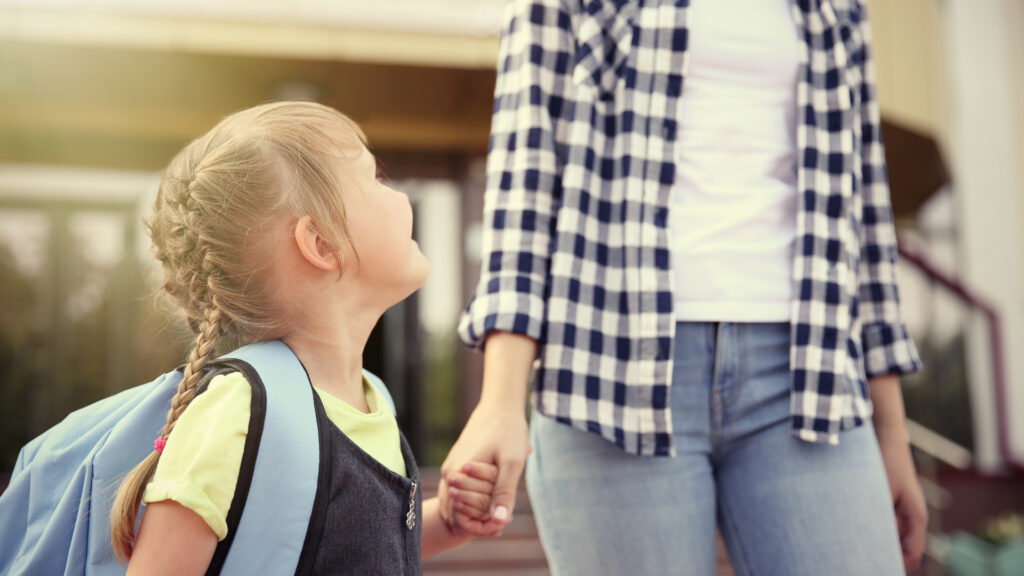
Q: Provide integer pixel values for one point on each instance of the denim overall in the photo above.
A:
(372, 522)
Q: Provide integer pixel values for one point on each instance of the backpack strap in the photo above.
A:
(283, 468)
(381, 389)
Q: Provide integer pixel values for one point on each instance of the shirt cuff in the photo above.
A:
(505, 311)
(190, 497)
(888, 349)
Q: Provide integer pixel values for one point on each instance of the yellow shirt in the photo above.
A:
(199, 465)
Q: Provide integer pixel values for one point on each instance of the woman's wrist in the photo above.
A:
(889, 417)
(508, 361)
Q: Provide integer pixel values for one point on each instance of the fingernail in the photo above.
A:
(501, 513)
(453, 491)
(467, 467)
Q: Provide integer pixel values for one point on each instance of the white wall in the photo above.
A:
(986, 153)
(438, 232)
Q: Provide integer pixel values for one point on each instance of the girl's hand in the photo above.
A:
(470, 492)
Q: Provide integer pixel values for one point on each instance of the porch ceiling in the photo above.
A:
(125, 83)
(120, 108)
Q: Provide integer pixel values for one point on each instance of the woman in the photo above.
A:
(687, 222)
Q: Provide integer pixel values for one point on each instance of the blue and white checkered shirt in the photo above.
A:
(576, 244)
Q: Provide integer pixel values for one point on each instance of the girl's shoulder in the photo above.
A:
(221, 409)
(225, 398)
(199, 464)
(225, 385)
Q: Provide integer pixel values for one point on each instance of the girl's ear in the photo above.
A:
(313, 247)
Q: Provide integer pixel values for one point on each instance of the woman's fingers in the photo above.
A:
(913, 532)
(503, 498)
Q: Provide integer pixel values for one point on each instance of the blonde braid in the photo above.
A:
(124, 513)
(206, 341)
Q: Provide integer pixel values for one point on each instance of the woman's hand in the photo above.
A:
(493, 435)
(908, 499)
(496, 432)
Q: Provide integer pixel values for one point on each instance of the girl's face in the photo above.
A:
(390, 263)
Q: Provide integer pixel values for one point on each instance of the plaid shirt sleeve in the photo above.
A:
(888, 348)
(523, 172)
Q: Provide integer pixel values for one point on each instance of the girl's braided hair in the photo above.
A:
(218, 200)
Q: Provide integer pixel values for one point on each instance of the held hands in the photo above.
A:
(480, 476)
(466, 504)
(469, 491)
(489, 436)
(496, 434)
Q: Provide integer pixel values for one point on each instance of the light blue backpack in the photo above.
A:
(54, 514)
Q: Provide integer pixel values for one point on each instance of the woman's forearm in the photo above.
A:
(508, 359)
(887, 399)
(497, 432)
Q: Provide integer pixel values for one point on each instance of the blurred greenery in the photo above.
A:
(1006, 527)
(17, 351)
(440, 406)
(50, 366)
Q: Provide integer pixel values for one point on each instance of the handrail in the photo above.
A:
(939, 447)
(975, 301)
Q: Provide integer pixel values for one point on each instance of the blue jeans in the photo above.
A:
(784, 506)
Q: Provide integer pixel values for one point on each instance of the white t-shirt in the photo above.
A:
(733, 213)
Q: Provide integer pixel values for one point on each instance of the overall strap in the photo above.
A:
(274, 517)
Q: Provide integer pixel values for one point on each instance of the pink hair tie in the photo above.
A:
(159, 444)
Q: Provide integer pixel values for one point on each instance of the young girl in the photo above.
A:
(274, 225)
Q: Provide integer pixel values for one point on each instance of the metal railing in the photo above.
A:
(977, 303)
(934, 450)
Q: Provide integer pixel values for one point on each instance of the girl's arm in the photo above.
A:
(437, 537)
(173, 540)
